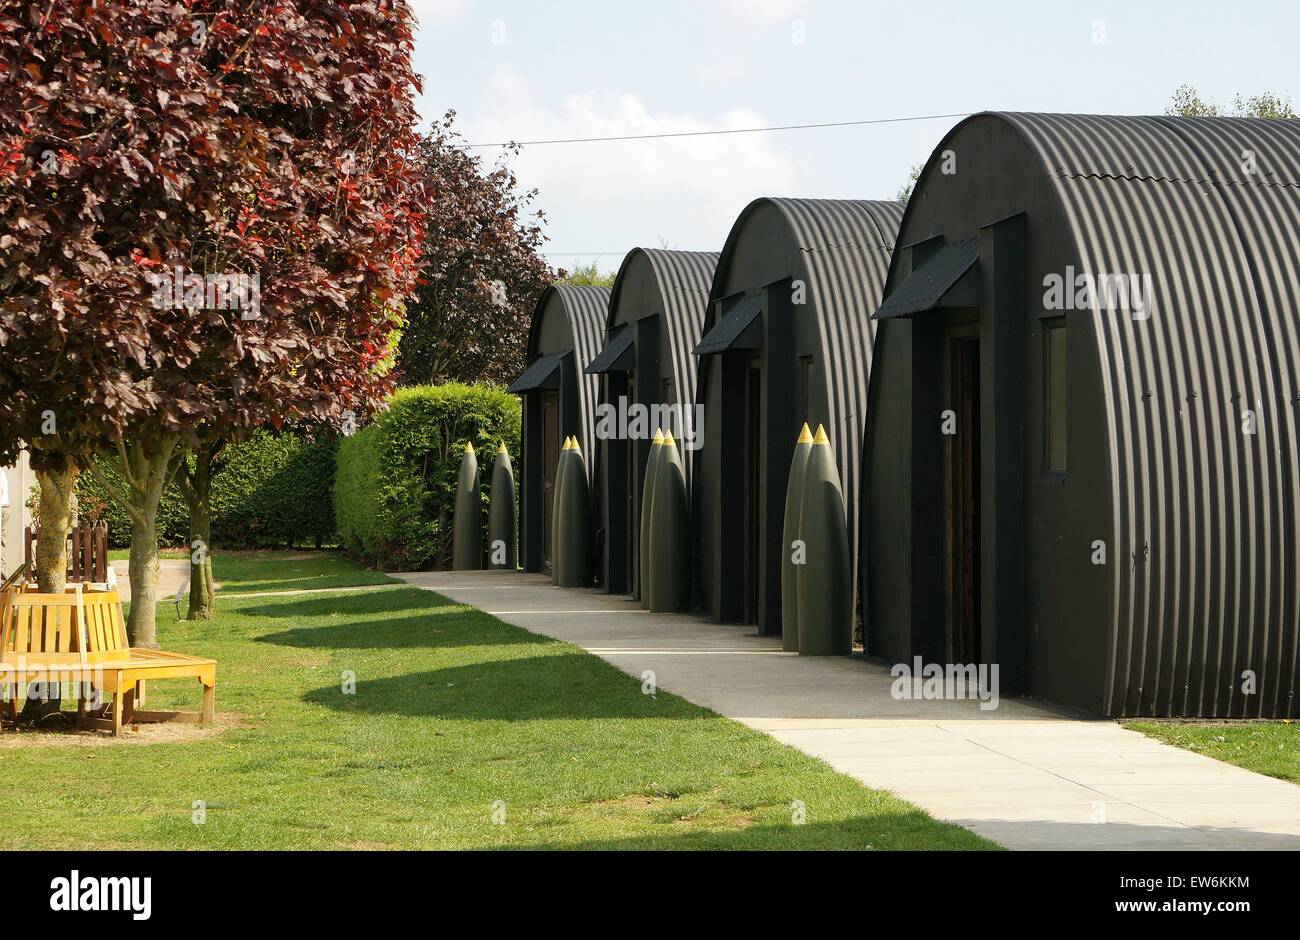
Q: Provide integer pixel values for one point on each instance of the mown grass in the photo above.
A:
(1271, 748)
(263, 571)
(463, 732)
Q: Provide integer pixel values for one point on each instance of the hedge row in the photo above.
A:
(395, 488)
(276, 489)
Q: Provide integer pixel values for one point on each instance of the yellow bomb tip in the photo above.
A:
(568, 443)
(659, 436)
(502, 448)
(805, 436)
(469, 447)
(821, 437)
(668, 439)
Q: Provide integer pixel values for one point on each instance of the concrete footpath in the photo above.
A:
(1021, 775)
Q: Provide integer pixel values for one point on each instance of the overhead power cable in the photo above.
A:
(735, 130)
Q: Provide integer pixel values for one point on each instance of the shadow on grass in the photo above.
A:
(364, 603)
(309, 583)
(887, 831)
(439, 628)
(563, 686)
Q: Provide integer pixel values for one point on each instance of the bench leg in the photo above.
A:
(139, 692)
(117, 713)
(209, 703)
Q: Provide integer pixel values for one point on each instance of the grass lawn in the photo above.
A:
(453, 711)
(246, 572)
(1271, 748)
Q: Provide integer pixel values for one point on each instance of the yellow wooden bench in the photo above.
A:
(80, 637)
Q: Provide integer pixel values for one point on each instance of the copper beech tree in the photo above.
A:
(209, 217)
(481, 271)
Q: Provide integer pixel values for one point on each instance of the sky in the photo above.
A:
(544, 70)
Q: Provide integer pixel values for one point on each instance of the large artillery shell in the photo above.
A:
(574, 523)
(824, 582)
(501, 514)
(789, 536)
(669, 538)
(647, 506)
(467, 523)
(555, 509)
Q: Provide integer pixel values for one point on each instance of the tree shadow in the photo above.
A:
(895, 830)
(363, 603)
(886, 831)
(535, 688)
(444, 628)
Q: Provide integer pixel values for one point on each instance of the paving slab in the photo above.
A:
(1022, 774)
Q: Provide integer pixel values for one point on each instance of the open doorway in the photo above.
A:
(550, 462)
(962, 497)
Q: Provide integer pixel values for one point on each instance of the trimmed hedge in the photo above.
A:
(395, 489)
(273, 490)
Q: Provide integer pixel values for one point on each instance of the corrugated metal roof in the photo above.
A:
(1206, 516)
(684, 279)
(846, 245)
(586, 309)
(924, 288)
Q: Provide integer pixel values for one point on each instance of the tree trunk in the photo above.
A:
(144, 578)
(201, 599)
(196, 487)
(57, 487)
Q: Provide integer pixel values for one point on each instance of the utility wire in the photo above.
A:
(738, 130)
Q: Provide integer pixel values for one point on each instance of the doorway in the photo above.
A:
(753, 509)
(962, 498)
(550, 462)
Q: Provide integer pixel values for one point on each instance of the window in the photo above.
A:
(1057, 393)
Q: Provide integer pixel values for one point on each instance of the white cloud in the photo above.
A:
(616, 195)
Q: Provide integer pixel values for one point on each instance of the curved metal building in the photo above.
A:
(559, 401)
(1081, 450)
(655, 312)
(787, 339)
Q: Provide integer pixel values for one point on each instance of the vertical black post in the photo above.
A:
(614, 455)
(532, 480)
(1003, 366)
(779, 429)
(728, 559)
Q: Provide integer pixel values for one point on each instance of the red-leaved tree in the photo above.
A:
(210, 217)
(481, 270)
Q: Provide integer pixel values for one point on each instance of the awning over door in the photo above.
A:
(738, 329)
(617, 355)
(542, 372)
(928, 286)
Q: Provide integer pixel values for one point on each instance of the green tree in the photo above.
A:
(1187, 102)
(905, 191)
(587, 275)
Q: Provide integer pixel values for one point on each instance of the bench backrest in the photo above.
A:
(58, 629)
(41, 627)
(105, 626)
